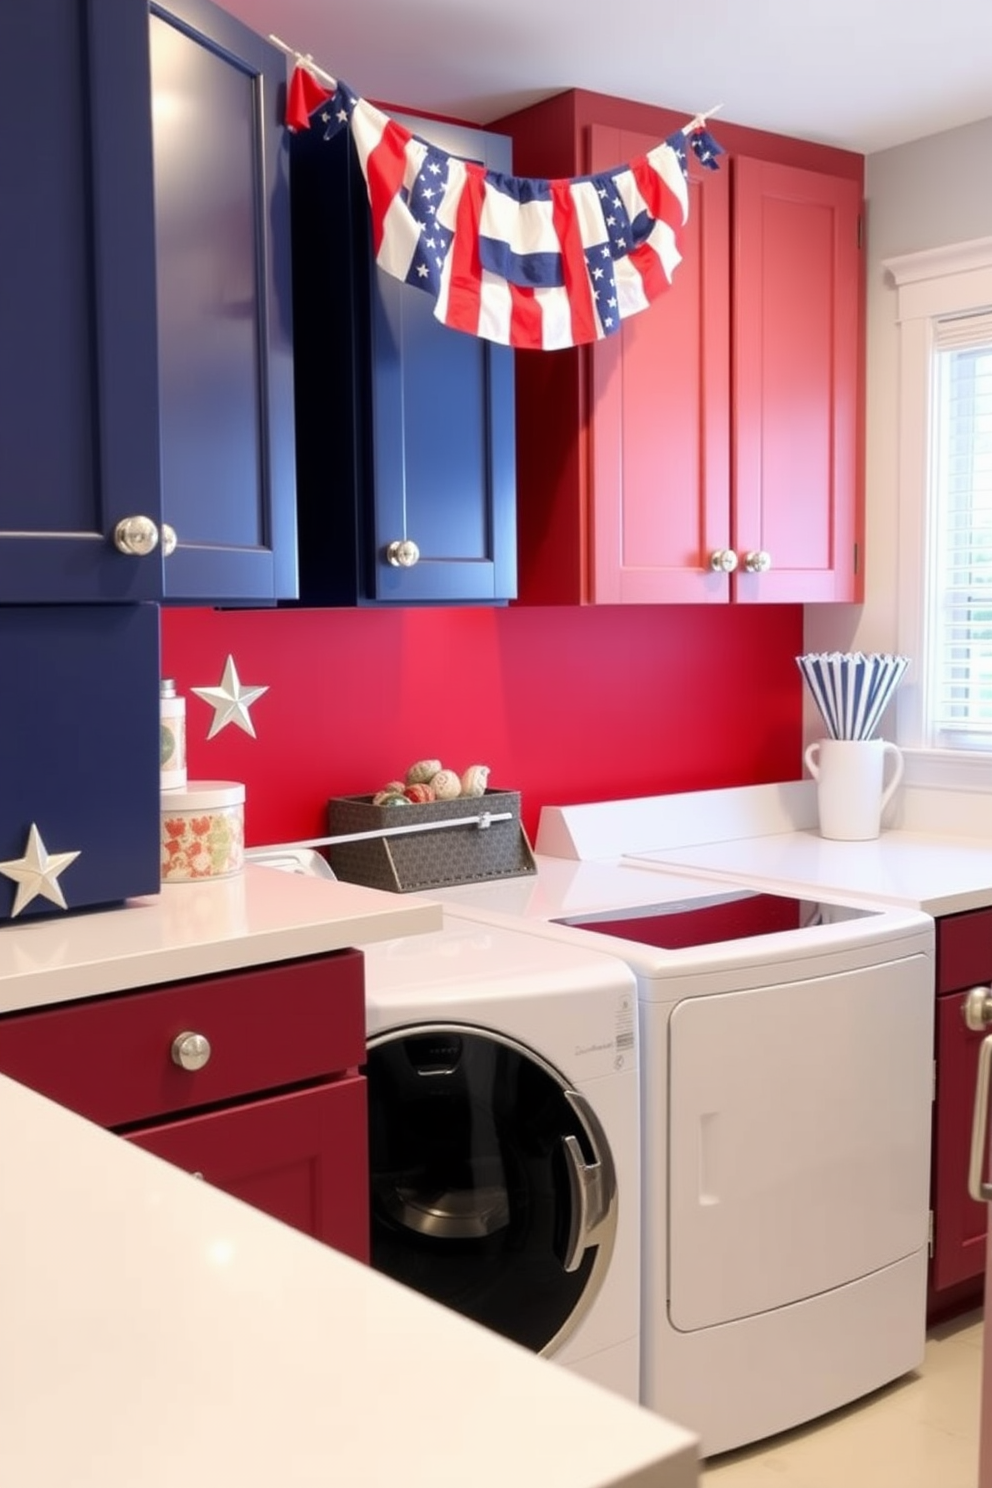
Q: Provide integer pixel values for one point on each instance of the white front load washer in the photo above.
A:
(785, 1065)
(503, 1129)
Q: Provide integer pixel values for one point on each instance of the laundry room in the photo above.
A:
(448, 935)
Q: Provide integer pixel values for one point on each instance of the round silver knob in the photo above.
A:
(403, 554)
(977, 1009)
(190, 1050)
(724, 560)
(169, 539)
(137, 536)
(758, 561)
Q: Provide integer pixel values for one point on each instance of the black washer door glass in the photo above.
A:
(469, 1187)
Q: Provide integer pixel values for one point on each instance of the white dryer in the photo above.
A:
(503, 1121)
(786, 1051)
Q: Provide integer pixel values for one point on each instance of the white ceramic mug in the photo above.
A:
(849, 777)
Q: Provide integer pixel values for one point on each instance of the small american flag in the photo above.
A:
(529, 263)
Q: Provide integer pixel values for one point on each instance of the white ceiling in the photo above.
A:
(862, 74)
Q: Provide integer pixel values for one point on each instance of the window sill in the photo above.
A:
(948, 769)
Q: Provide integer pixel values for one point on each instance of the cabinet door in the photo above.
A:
(301, 1157)
(78, 441)
(404, 427)
(220, 164)
(661, 414)
(79, 749)
(959, 1223)
(152, 198)
(796, 386)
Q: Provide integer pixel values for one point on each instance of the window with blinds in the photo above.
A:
(959, 546)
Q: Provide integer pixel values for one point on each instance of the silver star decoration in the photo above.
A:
(37, 873)
(230, 701)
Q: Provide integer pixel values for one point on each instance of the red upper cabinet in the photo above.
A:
(722, 425)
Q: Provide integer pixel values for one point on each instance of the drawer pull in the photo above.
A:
(190, 1050)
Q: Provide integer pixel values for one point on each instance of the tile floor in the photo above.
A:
(920, 1432)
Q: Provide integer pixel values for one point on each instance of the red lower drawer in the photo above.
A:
(109, 1058)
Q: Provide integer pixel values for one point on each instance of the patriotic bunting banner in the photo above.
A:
(529, 263)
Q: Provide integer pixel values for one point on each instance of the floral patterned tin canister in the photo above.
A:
(203, 831)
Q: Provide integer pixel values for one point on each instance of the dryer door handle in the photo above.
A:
(592, 1209)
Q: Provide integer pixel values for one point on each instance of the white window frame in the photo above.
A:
(931, 284)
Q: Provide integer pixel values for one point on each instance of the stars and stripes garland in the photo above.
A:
(530, 263)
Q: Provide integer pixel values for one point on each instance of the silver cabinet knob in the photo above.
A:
(190, 1050)
(403, 554)
(724, 560)
(169, 539)
(137, 536)
(758, 561)
(976, 1010)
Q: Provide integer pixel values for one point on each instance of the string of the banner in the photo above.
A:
(305, 59)
(699, 121)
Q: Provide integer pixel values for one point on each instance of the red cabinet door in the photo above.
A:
(661, 414)
(796, 383)
(964, 960)
(301, 1157)
(960, 1224)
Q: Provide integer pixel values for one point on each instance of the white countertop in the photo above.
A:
(197, 929)
(156, 1332)
(562, 887)
(937, 874)
(767, 835)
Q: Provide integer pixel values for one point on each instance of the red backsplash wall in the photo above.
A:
(563, 704)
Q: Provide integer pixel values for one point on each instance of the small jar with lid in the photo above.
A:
(203, 831)
(172, 736)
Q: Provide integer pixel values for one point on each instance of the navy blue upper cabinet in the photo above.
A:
(145, 300)
(405, 428)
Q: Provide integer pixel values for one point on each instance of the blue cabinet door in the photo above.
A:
(62, 489)
(79, 751)
(145, 361)
(220, 165)
(405, 428)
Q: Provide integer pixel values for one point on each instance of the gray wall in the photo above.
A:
(934, 191)
(926, 194)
